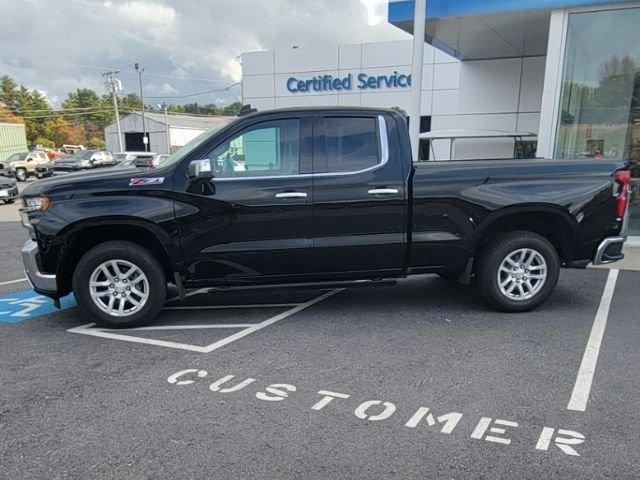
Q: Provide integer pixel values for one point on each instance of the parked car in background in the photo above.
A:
(44, 171)
(55, 154)
(8, 189)
(83, 160)
(70, 149)
(138, 159)
(23, 165)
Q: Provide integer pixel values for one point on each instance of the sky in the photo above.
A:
(187, 46)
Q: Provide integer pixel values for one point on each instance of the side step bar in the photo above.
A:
(305, 286)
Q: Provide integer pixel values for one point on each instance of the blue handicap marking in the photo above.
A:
(25, 305)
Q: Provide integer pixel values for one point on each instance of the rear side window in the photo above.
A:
(351, 143)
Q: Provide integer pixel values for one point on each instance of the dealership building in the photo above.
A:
(565, 74)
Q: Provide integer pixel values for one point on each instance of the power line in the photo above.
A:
(57, 114)
(48, 110)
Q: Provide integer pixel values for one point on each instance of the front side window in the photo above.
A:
(266, 149)
(351, 143)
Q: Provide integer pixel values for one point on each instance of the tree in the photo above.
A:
(7, 116)
(45, 142)
(232, 109)
(96, 143)
(130, 102)
(88, 112)
(8, 92)
(61, 132)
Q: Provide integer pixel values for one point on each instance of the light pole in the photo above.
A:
(114, 85)
(145, 139)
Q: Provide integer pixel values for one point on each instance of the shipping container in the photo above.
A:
(13, 139)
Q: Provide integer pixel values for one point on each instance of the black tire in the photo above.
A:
(21, 175)
(9, 201)
(494, 255)
(129, 252)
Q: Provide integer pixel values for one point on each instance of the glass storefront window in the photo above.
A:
(600, 99)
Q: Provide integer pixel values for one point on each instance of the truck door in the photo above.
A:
(359, 208)
(252, 221)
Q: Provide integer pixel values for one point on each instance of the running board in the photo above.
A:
(305, 286)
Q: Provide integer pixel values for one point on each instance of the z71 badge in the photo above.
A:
(136, 182)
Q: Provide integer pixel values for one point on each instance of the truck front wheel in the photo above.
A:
(518, 271)
(21, 175)
(120, 284)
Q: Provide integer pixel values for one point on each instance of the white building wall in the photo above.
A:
(503, 94)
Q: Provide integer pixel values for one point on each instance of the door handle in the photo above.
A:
(383, 191)
(291, 195)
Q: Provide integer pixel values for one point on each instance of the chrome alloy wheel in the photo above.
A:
(522, 274)
(119, 288)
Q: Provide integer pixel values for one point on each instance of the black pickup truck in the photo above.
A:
(317, 197)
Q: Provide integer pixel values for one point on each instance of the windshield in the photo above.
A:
(16, 157)
(193, 144)
(66, 158)
(85, 154)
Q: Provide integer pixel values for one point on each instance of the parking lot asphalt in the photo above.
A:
(325, 384)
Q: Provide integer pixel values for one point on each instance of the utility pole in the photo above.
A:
(114, 85)
(419, 14)
(145, 139)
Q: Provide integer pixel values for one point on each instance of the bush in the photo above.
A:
(45, 142)
(96, 144)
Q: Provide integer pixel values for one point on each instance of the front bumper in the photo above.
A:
(609, 250)
(44, 283)
(11, 193)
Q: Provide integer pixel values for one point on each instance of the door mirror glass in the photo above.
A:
(200, 169)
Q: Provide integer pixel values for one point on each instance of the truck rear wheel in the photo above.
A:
(518, 271)
(120, 284)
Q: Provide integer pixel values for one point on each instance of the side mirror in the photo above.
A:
(200, 169)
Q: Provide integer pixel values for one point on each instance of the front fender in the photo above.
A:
(66, 219)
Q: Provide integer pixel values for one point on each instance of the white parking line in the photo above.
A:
(271, 321)
(247, 329)
(180, 327)
(220, 307)
(582, 387)
(20, 280)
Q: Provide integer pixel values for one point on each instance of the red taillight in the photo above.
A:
(623, 179)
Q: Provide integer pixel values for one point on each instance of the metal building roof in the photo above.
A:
(186, 121)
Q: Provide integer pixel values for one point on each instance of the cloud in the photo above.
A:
(187, 46)
(160, 89)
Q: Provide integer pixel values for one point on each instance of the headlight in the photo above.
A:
(85, 163)
(36, 204)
